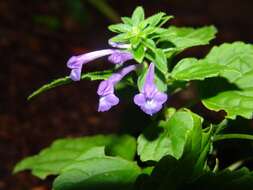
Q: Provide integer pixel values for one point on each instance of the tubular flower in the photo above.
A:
(75, 63)
(150, 99)
(106, 89)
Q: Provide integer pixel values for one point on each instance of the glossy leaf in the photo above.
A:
(238, 57)
(170, 138)
(183, 37)
(98, 173)
(118, 28)
(64, 152)
(192, 69)
(231, 61)
(139, 53)
(138, 15)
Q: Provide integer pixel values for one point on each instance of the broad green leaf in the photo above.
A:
(138, 15)
(98, 173)
(99, 75)
(180, 173)
(231, 61)
(238, 57)
(183, 37)
(170, 138)
(193, 69)
(233, 102)
(118, 28)
(64, 152)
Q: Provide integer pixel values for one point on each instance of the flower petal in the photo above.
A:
(75, 74)
(120, 57)
(139, 99)
(151, 107)
(106, 102)
(149, 87)
(160, 97)
(105, 87)
(74, 63)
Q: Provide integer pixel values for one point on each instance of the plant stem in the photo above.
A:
(106, 10)
(233, 136)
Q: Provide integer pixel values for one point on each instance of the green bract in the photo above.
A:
(173, 152)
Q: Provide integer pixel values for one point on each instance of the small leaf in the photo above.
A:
(127, 20)
(99, 75)
(138, 15)
(118, 28)
(139, 53)
(155, 19)
(122, 38)
(161, 61)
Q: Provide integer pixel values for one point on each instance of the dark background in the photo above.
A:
(36, 39)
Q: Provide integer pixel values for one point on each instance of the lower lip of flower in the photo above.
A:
(150, 104)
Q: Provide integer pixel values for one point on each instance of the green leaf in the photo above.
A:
(179, 174)
(183, 37)
(127, 20)
(64, 152)
(161, 61)
(118, 28)
(231, 61)
(98, 173)
(138, 15)
(233, 102)
(157, 20)
(193, 69)
(139, 53)
(238, 57)
(170, 138)
(99, 75)
(123, 37)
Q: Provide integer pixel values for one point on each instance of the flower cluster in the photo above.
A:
(150, 99)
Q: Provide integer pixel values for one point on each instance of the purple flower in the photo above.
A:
(119, 45)
(75, 63)
(120, 57)
(150, 99)
(106, 89)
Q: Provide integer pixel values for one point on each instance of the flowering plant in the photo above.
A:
(174, 151)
